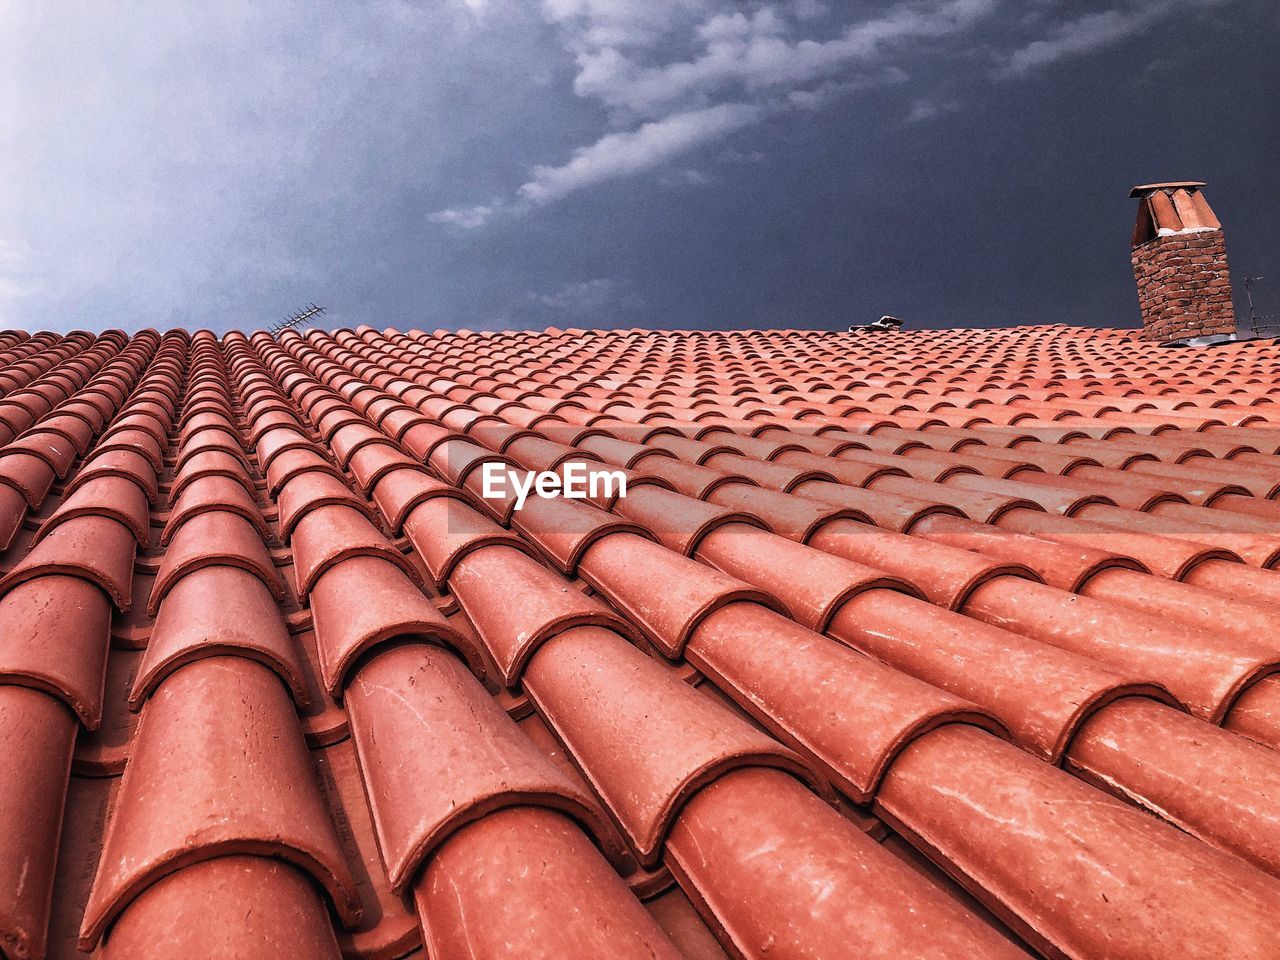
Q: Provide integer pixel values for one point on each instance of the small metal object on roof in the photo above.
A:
(1143, 189)
(885, 323)
(1208, 340)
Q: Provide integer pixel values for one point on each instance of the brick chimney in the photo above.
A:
(1180, 263)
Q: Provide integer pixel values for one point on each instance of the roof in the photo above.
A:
(950, 644)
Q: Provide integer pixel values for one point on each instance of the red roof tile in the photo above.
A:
(950, 644)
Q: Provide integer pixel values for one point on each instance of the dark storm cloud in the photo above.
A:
(494, 163)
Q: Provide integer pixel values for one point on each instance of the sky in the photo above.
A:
(494, 164)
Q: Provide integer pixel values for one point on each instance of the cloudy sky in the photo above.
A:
(688, 163)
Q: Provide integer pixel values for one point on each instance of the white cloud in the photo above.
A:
(1095, 31)
(613, 156)
(621, 154)
(756, 52)
(586, 297)
(923, 111)
(622, 23)
(14, 254)
(467, 217)
(232, 159)
(15, 268)
(827, 92)
(745, 65)
(12, 290)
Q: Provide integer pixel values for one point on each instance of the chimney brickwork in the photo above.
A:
(1180, 264)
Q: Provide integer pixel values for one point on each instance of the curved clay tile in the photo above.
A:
(1040, 692)
(1247, 623)
(1261, 483)
(349, 439)
(213, 463)
(330, 534)
(98, 549)
(267, 414)
(644, 740)
(1215, 529)
(213, 492)
(400, 419)
(783, 477)
(687, 478)
(542, 889)
(1256, 713)
(792, 517)
(196, 422)
(1068, 552)
(564, 530)
(713, 849)
(1171, 765)
(294, 462)
(56, 447)
(388, 927)
(54, 636)
(217, 611)
(810, 584)
(371, 463)
(125, 464)
(74, 423)
(310, 491)
(1205, 672)
(444, 530)
(422, 439)
(1075, 878)
(212, 441)
(399, 491)
(516, 605)
(36, 737)
(30, 475)
(276, 441)
(888, 510)
(184, 914)
(624, 568)
(216, 538)
(1064, 496)
(944, 575)
(412, 709)
(363, 602)
(691, 451)
(789, 678)
(1136, 490)
(218, 767)
(142, 442)
(679, 522)
(116, 498)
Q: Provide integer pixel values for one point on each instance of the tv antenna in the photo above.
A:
(296, 319)
(1262, 325)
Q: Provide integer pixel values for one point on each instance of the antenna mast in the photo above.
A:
(297, 319)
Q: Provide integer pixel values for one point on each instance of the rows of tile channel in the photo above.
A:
(953, 644)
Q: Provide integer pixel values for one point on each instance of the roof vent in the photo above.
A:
(885, 324)
(1180, 264)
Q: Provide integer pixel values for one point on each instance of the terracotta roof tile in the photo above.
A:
(218, 768)
(1003, 600)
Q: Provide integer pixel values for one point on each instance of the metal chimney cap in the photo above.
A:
(1146, 188)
